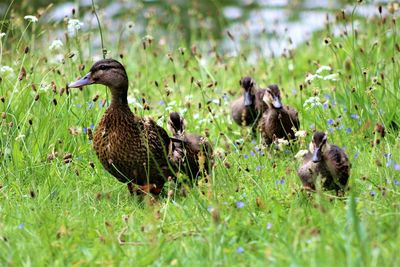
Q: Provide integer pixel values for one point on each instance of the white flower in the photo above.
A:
(300, 134)
(20, 137)
(311, 77)
(74, 25)
(6, 70)
(312, 102)
(332, 77)
(2, 34)
(282, 143)
(56, 44)
(31, 18)
(322, 68)
(301, 154)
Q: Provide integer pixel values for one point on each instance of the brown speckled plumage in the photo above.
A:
(277, 121)
(192, 152)
(133, 149)
(327, 161)
(246, 109)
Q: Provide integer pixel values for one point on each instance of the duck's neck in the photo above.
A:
(119, 96)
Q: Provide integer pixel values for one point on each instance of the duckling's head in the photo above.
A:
(176, 124)
(319, 146)
(248, 84)
(108, 72)
(272, 97)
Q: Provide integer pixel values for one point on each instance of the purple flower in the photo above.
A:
(372, 193)
(325, 106)
(396, 166)
(294, 92)
(269, 226)
(280, 181)
(396, 182)
(161, 103)
(356, 155)
(331, 129)
(92, 126)
(259, 168)
(348, 130)
(84, 130)
(354, 116)
(239, 204)
(21, 225)
(245, 156)
(240, 250)
(262, 153)
(252, 153)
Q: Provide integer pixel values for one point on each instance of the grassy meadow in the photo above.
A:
(59, 207)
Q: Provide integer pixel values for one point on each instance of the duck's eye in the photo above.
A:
(102, 67)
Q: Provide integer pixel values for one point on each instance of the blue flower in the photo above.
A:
(269, 226)
(161, 102)
(84, 129)
(239, 250)
(387, 155)
(356, 155)
(396, 166)
(239, 204)
(78, 105)
(262, 153)
(252, 153)
(294, 92)
(354, 116)
(372, 193)
(396, 182)
(325, 106)
(280, 181)
(348, 130)
(259, 168)
(90, 104)
(312, 126)
(92, 126)
(210, 208)
(330, 129)
(245, 156)
(21, 225)
(388, 163)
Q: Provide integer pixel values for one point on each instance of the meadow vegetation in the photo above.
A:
(58, 205)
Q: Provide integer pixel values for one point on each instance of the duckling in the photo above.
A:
(190, 151)
(247, 108)
(133, 149)
(277, 121)
(325, 160)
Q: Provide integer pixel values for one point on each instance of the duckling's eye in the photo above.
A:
(102, 67)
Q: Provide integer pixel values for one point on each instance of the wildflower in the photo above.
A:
(259, 168)
(312, 102)
(355, 116)
(239, 250)
(269, 226)
(56, 44)
(280, 181)
(74, 25)
(332, 77)
(161, 103)
(20, 137)
(245, 156)
(387, 155)
(21, 225)
(31, 18)
(323, 68)
(310, 77)
(389, 163)
(239, 204)
(301, 154)
(325, 105)
(396, 182)
(356, 155)
(282, 143)
(210, 208)
(252, 153)
(300, 134)
(2, 34)
(348, 130)
(396, 166)
(330, 129)
(6, 70)
(372, 193)
(330, 121)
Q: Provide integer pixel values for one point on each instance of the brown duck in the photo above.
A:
(192, 152)
(325, 160)
(133, 149)
(277, 121)
(247, 108)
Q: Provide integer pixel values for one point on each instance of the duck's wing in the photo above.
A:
(340, 163)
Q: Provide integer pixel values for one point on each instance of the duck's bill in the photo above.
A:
(277, 103)
(248, 101)
(81, 82)
(316, 155)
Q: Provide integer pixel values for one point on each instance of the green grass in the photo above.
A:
(53, 213)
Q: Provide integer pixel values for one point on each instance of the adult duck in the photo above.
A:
(325, 160)
(277, 121)
(133, 149)
(191, 152)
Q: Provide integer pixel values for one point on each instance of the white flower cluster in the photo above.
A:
(333, 77)
(312, 102)
(56, 44)
(74, 25)
(31, 18)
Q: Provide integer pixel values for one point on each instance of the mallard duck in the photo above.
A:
(133, 149)
(325, 160)
(191, 152)
(247, 108)
(277, 121)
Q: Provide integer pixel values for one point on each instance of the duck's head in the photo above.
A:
(108, 72)
(176, 124)
(248, 84)
(272, 97)
(319, 146)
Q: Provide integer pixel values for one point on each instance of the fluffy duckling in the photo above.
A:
(247, 108)
(277, 121)
(325, 160)
(191, 152)
(133, 149)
